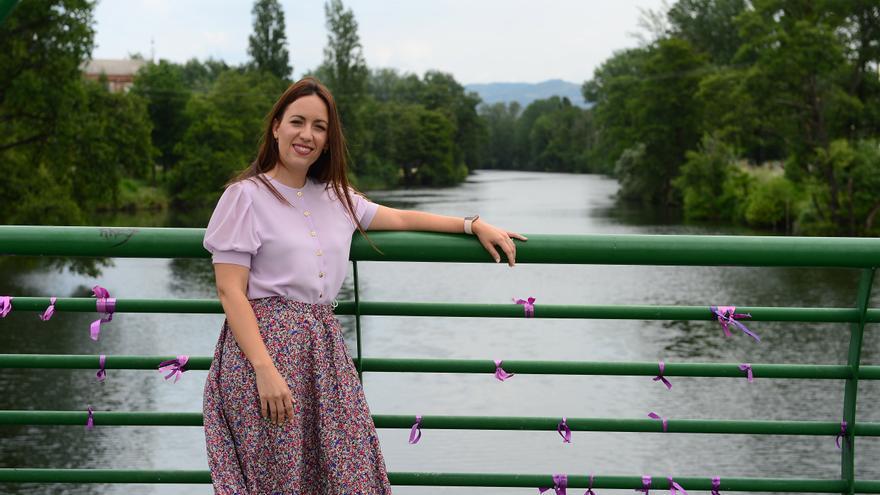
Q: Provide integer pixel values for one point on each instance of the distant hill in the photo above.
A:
(526, 93)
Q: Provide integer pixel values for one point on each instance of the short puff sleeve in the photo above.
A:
(364, 209)
(232, 235)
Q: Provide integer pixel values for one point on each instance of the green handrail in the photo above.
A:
(863, 254)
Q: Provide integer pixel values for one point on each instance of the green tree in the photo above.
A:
(500, 119)
(709, 25)
(163, 85)
(267, 46)
(222, 138)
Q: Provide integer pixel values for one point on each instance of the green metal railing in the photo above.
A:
(863, 254)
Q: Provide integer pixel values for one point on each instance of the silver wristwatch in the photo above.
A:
(468, 224)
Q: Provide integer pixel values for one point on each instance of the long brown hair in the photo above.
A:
(330, 168)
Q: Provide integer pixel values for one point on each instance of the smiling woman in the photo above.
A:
(284, 411)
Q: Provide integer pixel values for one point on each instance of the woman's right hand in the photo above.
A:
(276, 401)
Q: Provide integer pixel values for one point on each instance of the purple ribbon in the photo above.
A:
(842, 434)
(590, 487)
(528, 306)
(500, 374)
(560, 483)
(102, 372)
(748, 369)
(716, 486)
(564, 431)
(90, 423)
(727, 315)
(675, 488)
(105, 305)
(415, 433)
(661, 378)
(47, 315)
(665, 423)
(646, 485)
(5, 305)
(174, 367)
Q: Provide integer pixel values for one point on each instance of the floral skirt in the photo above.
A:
(330, 447)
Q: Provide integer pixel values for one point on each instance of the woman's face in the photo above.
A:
(301, 133)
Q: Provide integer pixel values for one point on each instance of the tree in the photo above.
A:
(344, 69)
(267, 46)
(163, 86)
(709, 25)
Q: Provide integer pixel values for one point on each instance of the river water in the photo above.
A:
(525, 202)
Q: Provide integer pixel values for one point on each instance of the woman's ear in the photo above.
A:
(275, 124)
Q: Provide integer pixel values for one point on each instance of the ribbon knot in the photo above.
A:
(842, 435)
(663, 421)
(102, 372)
(646, 485)
(675, 488)
(661, 378)
(564, 431)
(500, 374)
(727, 315)
(590, 487)
(415, 433)
(748, 369)
(47, 314)
(174, 367)
(716, 486)
(528, 306)
(105, 305)
(90, 422)
(5, 305)
(560, 483)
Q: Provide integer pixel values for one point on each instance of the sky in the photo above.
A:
(477, 41)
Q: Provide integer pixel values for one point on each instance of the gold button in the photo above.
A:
(320, 274)
(313, 233)
(299, 194)
(307, 213)
(319, 252)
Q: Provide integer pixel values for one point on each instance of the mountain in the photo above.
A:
(525, 93)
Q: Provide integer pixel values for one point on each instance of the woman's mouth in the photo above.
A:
(301, 150)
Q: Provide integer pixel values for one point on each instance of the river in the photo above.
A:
(531, 203)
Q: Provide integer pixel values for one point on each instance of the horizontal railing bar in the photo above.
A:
(606, 249)
(382, 365)
(31, 475)
(380, 308)
(511, 423)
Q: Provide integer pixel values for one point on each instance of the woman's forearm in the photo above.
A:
(243, 324)
(431, 222)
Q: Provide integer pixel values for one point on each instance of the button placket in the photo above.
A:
(318, 250)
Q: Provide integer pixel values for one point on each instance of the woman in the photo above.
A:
(284, 410)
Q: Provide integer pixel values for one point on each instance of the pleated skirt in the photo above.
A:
(329, 448)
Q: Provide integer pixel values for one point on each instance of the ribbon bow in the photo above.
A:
(528, 306)
(174, 367)
(500, 374)
(102, 372)
(675, 488)
(665, 423)
(590, 487)
(560, 483)
(564, 431)
(47, 315)
(104, 304)
(90, 422)
(646, 485)
(748, 369)
(661, 378)
(716, 486)
(841, 435)
(727, 315)
(415, 433)
(5, 305)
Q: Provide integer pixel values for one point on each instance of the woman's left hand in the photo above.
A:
(491, 236)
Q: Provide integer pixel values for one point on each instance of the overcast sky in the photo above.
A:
(478, 41)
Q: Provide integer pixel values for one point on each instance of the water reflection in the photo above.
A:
(525, 202)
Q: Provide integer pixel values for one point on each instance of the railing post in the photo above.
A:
(357, 323)
(847, 467)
